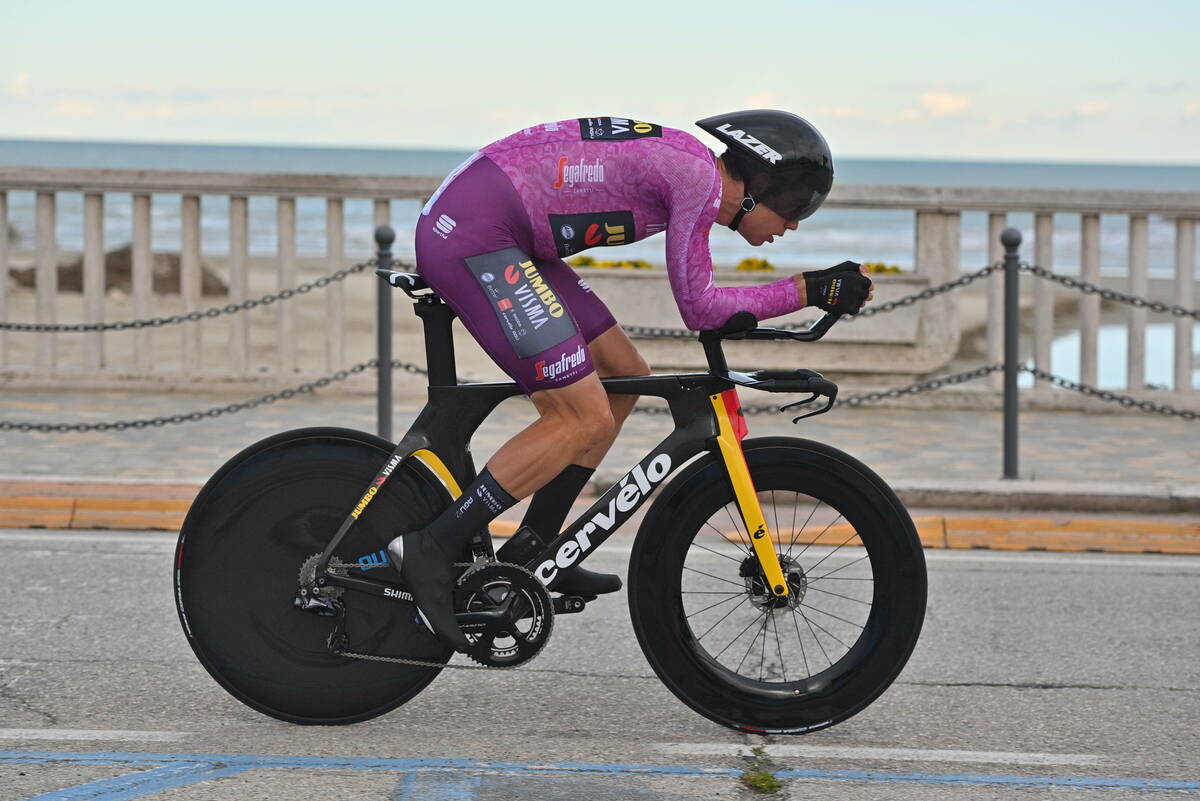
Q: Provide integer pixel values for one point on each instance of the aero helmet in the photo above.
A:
(783, 160)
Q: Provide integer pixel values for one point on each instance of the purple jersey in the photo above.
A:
(605, 181)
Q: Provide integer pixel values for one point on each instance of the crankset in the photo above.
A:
(505, 612)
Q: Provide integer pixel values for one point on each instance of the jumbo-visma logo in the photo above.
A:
(536, 297)
(608, 234)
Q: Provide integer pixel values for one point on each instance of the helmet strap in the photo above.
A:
(748, 205)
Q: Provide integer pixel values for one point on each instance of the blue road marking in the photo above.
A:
(458, 779)
(136, 785)
(439, 785)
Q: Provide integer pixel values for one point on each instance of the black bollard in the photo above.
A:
(384, 237)
(1011, 238)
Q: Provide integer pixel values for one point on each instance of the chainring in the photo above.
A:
(526, 616)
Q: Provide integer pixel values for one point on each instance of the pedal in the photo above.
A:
(568, 604)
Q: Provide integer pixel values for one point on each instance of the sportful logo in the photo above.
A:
(581, 173)
(566, 362)
(767, 152)
(444, 226)
(625, 500)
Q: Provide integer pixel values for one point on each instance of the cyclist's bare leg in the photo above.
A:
(613, 354)
(573, 420)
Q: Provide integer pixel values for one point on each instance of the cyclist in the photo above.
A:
(491, 243)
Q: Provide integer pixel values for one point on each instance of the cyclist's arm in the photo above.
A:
(689, 263)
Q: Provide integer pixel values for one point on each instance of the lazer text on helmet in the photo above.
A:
(767, 152)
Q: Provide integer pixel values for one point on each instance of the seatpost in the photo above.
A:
(384, 237)
(436, 318)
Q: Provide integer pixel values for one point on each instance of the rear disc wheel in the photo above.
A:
(237, 573)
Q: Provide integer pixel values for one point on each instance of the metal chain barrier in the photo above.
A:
(190, 317)
(914, 388)
(216, 411)
(1111, 397)
(1109, 294)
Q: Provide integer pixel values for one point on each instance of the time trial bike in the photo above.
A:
(775, 585)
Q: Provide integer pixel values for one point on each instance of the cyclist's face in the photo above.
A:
(763, 225)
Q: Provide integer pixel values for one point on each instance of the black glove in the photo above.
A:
(842, 289)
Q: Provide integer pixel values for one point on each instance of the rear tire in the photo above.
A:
(710, 630)
(237, 567)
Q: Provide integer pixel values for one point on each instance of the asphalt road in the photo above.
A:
(1037, 675)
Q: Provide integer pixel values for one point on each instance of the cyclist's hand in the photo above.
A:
(842, 289)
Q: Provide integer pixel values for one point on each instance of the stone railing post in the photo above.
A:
(939, 258)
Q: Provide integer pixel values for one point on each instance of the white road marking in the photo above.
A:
(880, 754)
(94, 734)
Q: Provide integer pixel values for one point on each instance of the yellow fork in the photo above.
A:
(732, 428)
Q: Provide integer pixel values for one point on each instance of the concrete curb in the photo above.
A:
(136, 504)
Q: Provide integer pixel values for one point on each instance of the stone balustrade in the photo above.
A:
(318, 338)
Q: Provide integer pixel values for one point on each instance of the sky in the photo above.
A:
(1019, 80)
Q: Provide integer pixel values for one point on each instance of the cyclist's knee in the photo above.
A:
(581, 410)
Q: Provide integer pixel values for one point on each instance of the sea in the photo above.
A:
(828, 237)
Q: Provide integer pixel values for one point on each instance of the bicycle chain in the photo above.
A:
(403, 660)
(190, 317)
(1109, 294)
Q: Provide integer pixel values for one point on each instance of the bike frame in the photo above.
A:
(704, 407)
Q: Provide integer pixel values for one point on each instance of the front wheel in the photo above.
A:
(729, 648)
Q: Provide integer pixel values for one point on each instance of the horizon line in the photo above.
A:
(329, 146)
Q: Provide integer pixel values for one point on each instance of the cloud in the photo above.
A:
(75, 108)
(845, 112)
(18, 84)
(1191, 110)
(945, 104)
(1092, 108)
(761, 100)
(908, 115)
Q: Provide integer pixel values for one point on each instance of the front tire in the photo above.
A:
(739, 656)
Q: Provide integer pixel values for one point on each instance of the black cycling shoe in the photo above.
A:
(429, 575)
(587, 583)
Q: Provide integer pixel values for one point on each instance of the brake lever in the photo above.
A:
(807, 401)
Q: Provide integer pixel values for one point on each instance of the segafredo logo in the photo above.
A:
(568, 361)
(580, 173)
(767, 152)
(634, 487)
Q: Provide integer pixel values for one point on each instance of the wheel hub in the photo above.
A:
(760, 591)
